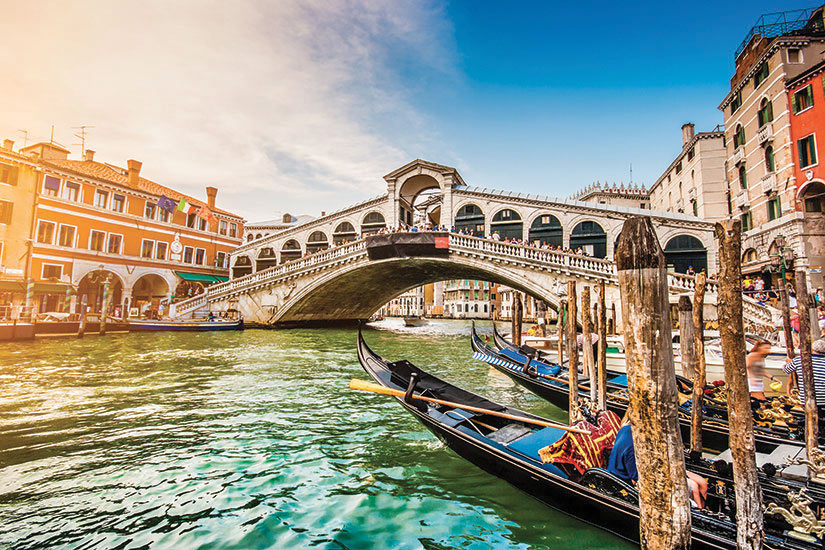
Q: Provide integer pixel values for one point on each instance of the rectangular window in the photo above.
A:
(679, 167)
(803, 99)
(51, 271)
(746, 221)
(51, 186)
(71, 191)
(813, 205)
(188, 253)
(200, 256)
(160, 251)
(97, 239)
(807, 151)
(691, 153)
(65, 236)
(113, 246)
(190, 220)
(774, 209)
(202, 224)
(233, 230)
(220, 259)
(149, 211)
(118, 203)
(6, 208)
(101, 198)
(146, 248)
(223, 227)
(8, 174)
(45, 232)
(761, 75)
(163, 215)
(794, 55)
(736, 102)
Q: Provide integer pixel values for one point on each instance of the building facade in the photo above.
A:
(760, 143)
(632, 196)
(94, 223)
(468, 299)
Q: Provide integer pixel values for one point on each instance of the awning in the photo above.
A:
(201, 278)
(12, 286)
(41, 288)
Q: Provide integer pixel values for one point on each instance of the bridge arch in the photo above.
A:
(591, 237)
(507, 222)
(291, 250)
(470, 217)
(685, 251)
(242, 266)
(316, 241)
(547, 229)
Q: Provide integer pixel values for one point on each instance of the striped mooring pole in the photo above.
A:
(104, 307)
(68, 301)
(29, 299)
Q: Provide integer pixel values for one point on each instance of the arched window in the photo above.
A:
(765, 114)
(770, 162)
(249, 238)
(241, 267)
(749, 256)
(590, 237)
(317, 241)
(685, 251)
(470, 218)
(546, 229)
(345, 232)
(290, 251)
(743, 177)
(507, 223)
(266, 258)
(373, 223)
(258, 236)
(739, 137)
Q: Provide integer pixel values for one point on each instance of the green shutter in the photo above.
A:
(811, 150)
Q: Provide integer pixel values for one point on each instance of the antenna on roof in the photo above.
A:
(81, 135)
(631, 173)
(25, 137)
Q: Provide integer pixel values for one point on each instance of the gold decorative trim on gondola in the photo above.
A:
(806, 526)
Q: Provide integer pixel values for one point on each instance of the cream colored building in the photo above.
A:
(760, 165)
(695, 183)
(631, 196)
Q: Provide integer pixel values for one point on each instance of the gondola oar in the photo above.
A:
(363, 385)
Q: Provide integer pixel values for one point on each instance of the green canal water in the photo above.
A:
(250, 440)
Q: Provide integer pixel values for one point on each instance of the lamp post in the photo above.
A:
(780, 262)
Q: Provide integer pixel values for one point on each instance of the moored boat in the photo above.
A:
(145, 325)
(52, 325)
(415, 321)
(509, 449)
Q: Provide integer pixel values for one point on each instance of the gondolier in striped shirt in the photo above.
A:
(818, 360)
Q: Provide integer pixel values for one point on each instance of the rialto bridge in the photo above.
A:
(321, 271)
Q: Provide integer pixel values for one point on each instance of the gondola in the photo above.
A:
(509, 450)
(768, 433)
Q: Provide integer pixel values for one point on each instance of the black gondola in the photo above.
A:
(510, 360)
(509, 450)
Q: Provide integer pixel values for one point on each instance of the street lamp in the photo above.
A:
(781, 261)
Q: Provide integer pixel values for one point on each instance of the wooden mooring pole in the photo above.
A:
(560, 327)
(81, 327)
(516, 318)
(749, 533)
(811, 416)
(663, 496)
(587, 342)
(699, 372)
(686, 347)
(601, 364)
(572, 351)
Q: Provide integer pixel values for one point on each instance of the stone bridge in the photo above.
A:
(344, 283)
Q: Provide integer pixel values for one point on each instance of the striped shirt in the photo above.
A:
(819, 376)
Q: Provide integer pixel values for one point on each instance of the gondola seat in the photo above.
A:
(529, 445)
(604, 482)
(620, 380)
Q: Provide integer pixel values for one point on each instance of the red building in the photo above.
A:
(806, 100)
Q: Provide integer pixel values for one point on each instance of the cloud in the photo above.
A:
(281, 105)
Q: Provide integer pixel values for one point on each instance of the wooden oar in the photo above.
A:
(363, 385)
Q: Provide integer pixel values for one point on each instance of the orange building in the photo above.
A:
(91, 222)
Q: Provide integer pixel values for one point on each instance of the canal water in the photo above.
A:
(250, 440)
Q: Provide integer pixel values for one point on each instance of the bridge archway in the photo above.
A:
(470, 218)
(508, 224)
(685, 251)
(267, 257)
(546, 229)
(590, 237)
(344, 232)
(409, 193)
(91, 286)
(373, 223)
(290, 251)
(316, 241)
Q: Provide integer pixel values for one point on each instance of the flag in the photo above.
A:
(183, 206)
(205, 214)
(165, 203)
(191, 208)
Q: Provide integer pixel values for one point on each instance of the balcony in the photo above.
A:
(765, 133)
(680, 204)
(692, 194)
(739, 155)
(741, 200)
(768, 182)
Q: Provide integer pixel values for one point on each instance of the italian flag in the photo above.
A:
(187, 208)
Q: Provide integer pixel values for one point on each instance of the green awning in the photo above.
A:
(200, 278)
(221, 278)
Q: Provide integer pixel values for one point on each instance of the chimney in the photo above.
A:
(211, 193)
(323, 213)
(134, 167)
(89, 156)
(687, 133)
(8, 145)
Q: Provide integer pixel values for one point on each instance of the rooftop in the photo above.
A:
(771, 25)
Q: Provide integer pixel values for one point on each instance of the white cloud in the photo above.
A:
(281, 105)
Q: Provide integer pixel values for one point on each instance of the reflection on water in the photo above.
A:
(250, 440)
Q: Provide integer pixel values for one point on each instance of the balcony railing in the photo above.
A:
(739, 155)
(741, 200)
(765, 133)
(768, 182)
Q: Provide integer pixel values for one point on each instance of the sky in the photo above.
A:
(303, 106)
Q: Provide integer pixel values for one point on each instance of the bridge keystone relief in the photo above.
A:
(344, 266)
